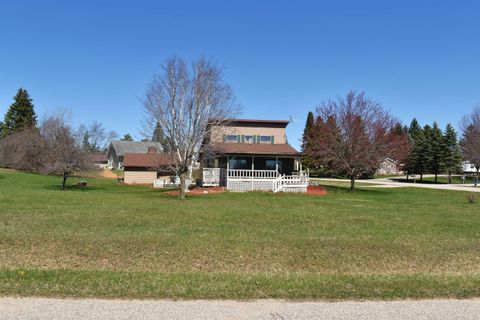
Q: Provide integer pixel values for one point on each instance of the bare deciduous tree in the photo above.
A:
(188, 102)
(22, 150)
(61, 154)
(470, 142)
(94, 137)
(353, 135)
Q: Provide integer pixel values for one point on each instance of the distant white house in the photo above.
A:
(388, 167)
(468, 168)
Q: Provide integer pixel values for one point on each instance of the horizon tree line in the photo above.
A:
(352, 135)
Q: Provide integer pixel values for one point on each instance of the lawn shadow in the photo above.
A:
(358, 189)
(404, 180)
(74, 187)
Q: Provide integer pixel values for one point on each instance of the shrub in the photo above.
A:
(472, 198)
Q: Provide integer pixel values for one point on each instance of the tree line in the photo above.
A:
(352, 135)
(49, 146)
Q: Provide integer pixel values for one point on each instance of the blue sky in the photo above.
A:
(419, 58)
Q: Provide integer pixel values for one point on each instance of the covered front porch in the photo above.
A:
(248, 173)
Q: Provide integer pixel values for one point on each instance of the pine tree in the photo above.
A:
(159, 136)
(416, 162)
(452, 156)
(86, 143)
(309, 125)
(127, 137)
(434, 150)
(308, 128)
(20, 115)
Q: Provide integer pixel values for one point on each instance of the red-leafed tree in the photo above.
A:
(353, 135)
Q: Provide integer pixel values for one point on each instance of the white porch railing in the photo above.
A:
(297, 182)
(249, 180)
(251, 174)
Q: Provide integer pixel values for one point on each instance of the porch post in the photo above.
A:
(226, 173)
(253, 168)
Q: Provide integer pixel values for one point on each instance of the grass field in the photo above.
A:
(109, 240)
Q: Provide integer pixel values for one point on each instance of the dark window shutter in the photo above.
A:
(243, 138)
(273, 139)
(224, 138)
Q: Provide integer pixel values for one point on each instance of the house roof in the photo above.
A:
(257, 122)
(123, 147)
(97, 157)
(150, 160)
(255, 148)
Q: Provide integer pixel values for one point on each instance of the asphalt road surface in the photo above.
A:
(52, 309)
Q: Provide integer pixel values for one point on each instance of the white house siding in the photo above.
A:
(139, 177)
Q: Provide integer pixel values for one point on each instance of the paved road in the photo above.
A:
(52, 309)
(388, 183)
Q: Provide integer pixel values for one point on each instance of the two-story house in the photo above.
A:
(253, 155)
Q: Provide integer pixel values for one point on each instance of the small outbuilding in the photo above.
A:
(147, 168)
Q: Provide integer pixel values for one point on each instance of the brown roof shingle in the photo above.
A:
(255, 148)
(148, 160)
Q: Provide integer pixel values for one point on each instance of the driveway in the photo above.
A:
(52, 309)
(390, 183)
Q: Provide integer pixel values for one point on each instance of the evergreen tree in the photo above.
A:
(127, 137)
(20, 115)
(86, 142)
(434, 149)
(309, 126)
(158, 136)
(416, 162)
(452, 156)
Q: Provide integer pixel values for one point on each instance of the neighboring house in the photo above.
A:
(98, 159)
(117, 150)
(249, 155)
(388, 167)
(468, 168)
(147, 168)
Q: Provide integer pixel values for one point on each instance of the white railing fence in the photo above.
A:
(249, 180)
(251, 174)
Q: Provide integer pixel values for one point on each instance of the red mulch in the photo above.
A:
(199, 191)
(316, 190)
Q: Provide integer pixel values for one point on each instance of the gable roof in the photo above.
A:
(123, 147)
(255, 148)
(150, 160)
(97, 157)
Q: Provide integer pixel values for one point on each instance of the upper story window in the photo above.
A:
(265, 139)
(248, 139)
(231, 138)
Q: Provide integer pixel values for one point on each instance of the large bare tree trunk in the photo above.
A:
(436, 177)
(352, 183)
(183, 186)
(64, 181)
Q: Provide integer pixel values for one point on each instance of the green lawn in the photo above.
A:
(109, 240)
